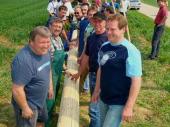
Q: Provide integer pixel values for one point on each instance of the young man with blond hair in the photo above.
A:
(119, 75)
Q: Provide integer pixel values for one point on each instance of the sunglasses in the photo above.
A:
(76, 12)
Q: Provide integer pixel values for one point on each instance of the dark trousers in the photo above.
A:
(158, 32)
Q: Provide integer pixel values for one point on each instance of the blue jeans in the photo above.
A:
(93, 107)
(110, 115)
(158, 32)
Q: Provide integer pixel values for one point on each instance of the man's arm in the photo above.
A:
(20, 98)
(82, 67)
(163, 21)
(133, 93)
(95, 96)
(51, 90)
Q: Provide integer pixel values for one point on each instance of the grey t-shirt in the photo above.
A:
(32, 71)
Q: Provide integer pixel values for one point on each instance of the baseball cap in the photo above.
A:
(100, 16)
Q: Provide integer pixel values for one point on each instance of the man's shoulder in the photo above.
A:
(84, 21)
(23, 53)
(105, 44)
(131, 48)
(22, 58)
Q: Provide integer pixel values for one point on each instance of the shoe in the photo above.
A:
(151, 57)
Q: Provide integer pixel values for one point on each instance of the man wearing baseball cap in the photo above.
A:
(94, 42)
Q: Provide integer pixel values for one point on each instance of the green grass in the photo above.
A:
(154, 3)
(155, 92)
(152, 110)
(18, 17)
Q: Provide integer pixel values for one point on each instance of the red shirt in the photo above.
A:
(163, 12)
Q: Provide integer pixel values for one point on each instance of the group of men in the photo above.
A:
(113, 65)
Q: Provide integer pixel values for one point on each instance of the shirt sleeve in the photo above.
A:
(133, 63)
(50, 8)
(98, 59)
(20, 72)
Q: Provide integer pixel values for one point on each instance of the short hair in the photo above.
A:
(41, 31)
(85, 4)
(110, 9)
(78, 6)
(122, 22)
(165, 1)
(92, 8)
(162, 1)
(55, 20)
(62, 7)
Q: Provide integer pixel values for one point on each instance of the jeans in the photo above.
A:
(93, 107)
(158, 32)
(110, 115)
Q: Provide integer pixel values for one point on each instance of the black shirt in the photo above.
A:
(94, 43)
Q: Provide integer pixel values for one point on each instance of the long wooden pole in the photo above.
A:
(123, 8)
(69, 107)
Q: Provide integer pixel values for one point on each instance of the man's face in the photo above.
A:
(160, 3)
(107, 13)
(78, 13)
(62, 13)
(113, 32)
(90, 14)
(99, 25)
(84, 10)
(40, 45)
(56, 28)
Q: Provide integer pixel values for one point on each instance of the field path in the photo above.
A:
(151, 12)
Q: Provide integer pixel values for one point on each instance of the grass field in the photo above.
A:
(154, 3)
(152, 109)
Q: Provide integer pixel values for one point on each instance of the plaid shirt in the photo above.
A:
(56, 44)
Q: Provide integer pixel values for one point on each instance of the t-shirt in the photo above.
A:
(119, 63)
(163, 12)
(32, 71)
(88, 31)
(82, 28)
(52, 7)
(93, 45)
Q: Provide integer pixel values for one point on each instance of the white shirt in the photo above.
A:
(52, 7)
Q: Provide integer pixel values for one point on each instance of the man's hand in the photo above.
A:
(72, 44)
(50, 94)
(127, 113)
(95, 97)
(27, 113)
(50, 91)
(75, 76)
